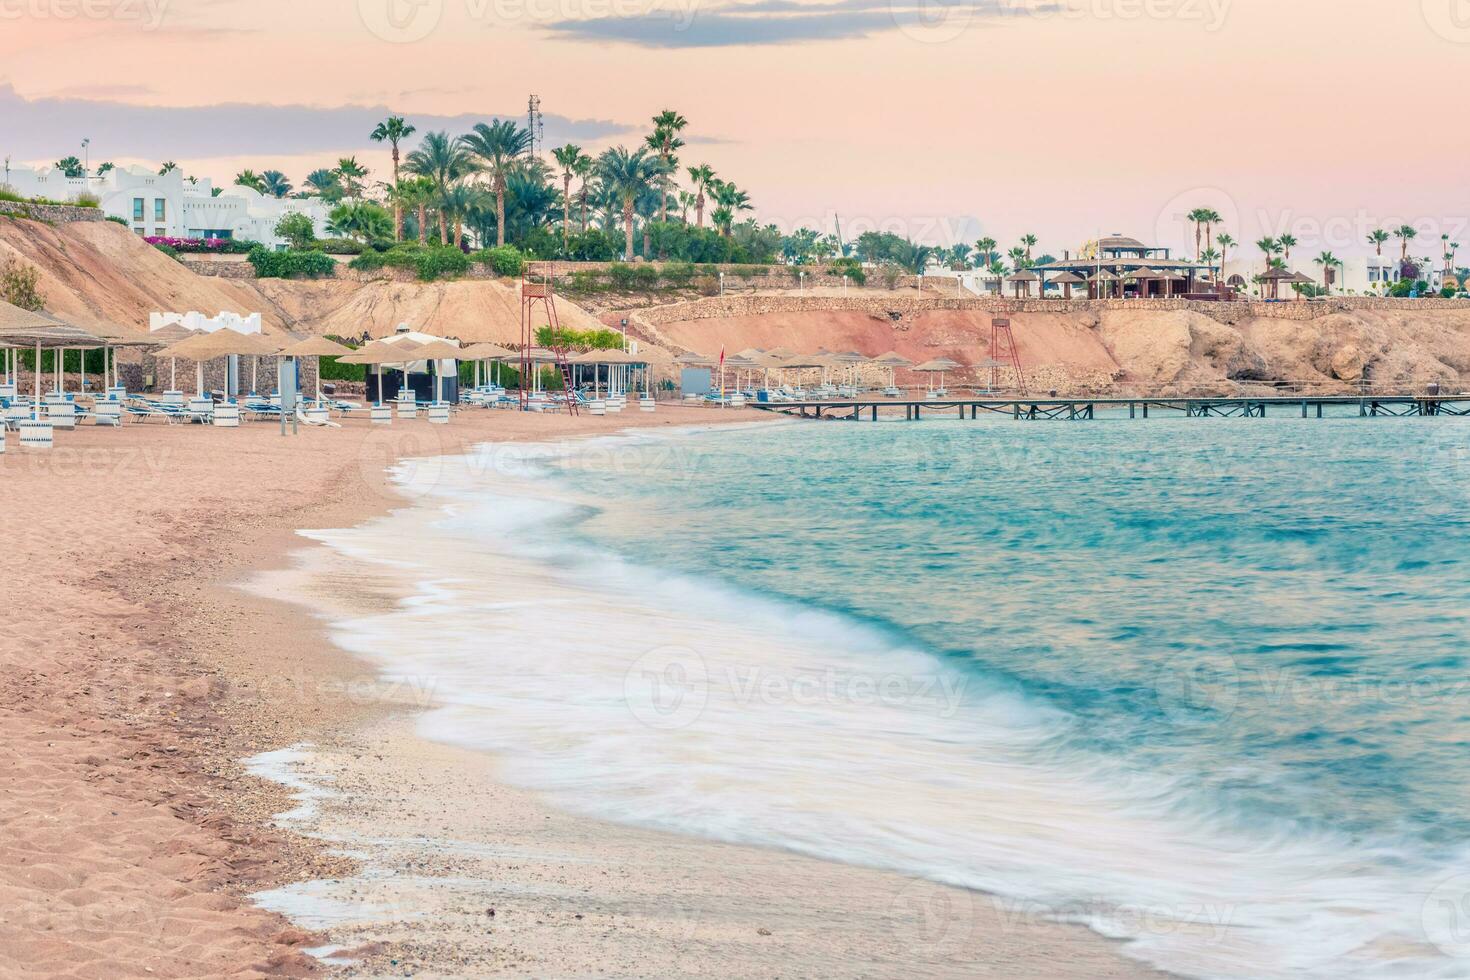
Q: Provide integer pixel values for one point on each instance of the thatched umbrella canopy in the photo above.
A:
(22, 328)
(1025, 277)
(1067, 280)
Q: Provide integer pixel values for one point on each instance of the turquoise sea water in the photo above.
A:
(1200, 685)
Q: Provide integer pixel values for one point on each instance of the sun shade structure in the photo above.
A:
(1067, 280)
(1022, 279)
(22, 328)
(486, 352)
(315, 347)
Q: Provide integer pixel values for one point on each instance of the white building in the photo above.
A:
(168, 206)
(1359, 275)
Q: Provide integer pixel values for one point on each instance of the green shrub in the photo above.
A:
(168, 250)
(747, 271)
(297, 229)
(291, 265)
(678, 274)
(504, 260)
(621, 275)
(1447, 292)
(441, 263)
(117, 221)
(332, 371)
(849, 267)
(645, 278)
(86, 200)
(339, 246)
(585, 281)
(7, 194)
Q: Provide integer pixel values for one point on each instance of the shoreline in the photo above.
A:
(253, 675)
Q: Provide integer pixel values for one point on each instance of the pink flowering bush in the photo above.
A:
(219, 246)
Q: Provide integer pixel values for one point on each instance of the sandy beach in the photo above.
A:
(142, 673)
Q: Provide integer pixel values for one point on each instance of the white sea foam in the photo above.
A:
(633, 694)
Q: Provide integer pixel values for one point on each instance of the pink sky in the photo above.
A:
(1313, 116)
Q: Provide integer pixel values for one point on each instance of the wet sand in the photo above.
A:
(140, 675)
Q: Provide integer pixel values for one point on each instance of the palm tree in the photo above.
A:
(416, 194)
(664, 140)
(686, 201)
(1269, 246)
(1028, 241)
(442, 161)
(496, 150)
(1198, 216)
(168, 167)
(351, 174)
(250, 179)
(1226, 243)
(986, 247)
(1327, 261)
(1376, 238)
(70, 167)
(1284, 245)
(325, 183)
(567, 157)
(103, 169)
(459, 203)
(393, 131)
(1405, 234)
(627, 175)
(585, 170)
(1211, 219)
(700, 177)
(731, 200)
(276, 184)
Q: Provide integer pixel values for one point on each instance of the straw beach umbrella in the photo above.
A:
(317, 347)
(434, 352)
(1067, 280)
(22, 328)
(939, 366)
(1025, 277)
(381, 353)
(480, 353)
(202, 347)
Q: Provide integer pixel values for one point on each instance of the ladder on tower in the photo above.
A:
(1003, 353)
(541, 290)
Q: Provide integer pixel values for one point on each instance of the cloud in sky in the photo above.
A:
(45, 128)
(770, 22)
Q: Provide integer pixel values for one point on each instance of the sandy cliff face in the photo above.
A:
(99, 272)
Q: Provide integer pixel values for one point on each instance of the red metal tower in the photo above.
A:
(541, 289)
(1003, 353)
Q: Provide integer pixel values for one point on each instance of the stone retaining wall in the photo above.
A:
(219, 270)
(897, 307)
(56, 214)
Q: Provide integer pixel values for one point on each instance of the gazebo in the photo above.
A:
(1276, 276)
(1066, 280)
(1023, 278)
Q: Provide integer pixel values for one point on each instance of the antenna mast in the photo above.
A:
(534, 124)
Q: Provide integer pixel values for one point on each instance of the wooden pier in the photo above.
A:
(1082, 409)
